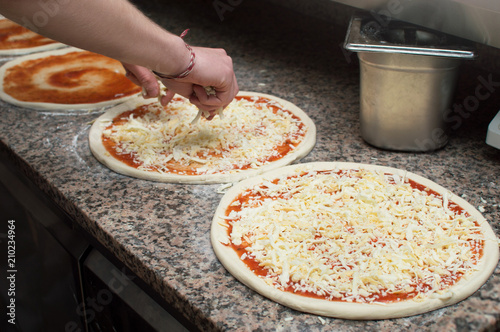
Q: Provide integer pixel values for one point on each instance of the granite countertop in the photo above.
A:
(160, 231)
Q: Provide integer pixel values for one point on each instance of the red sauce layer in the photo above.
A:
(15, 36)
(72, 78)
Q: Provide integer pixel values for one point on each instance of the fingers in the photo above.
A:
(165, 99)
(211, 116)
(212, 83)
(214, 70)
(207, 100)
(144, 78)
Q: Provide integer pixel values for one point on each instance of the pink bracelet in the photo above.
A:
(189, 68)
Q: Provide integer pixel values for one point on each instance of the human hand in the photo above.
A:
(144, 78)
(213, 68)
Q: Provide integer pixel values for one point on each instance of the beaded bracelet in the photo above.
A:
(189, 68)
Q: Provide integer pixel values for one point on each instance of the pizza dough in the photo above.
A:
(356, 254)
(65, 79)
(168, 146)
(16, 40)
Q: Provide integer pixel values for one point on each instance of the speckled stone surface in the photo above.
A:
(161, 231)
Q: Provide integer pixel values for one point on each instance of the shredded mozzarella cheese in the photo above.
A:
(357, 236)
(247, 137)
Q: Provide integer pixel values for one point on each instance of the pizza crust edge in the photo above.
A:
(30, 50)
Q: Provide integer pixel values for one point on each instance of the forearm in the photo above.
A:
(114, 28)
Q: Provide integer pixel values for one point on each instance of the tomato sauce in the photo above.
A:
(15, 36)
(73, 78)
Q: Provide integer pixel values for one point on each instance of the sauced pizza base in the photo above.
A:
(15, 36)
(353, 236)
(254, 131)
(72, 78)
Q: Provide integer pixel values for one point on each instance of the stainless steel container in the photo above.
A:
(476, 20)
(407, 82)
(404, 98)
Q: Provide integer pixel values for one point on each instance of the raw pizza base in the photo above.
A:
(105, 158)
(27, 50)
(347, 310)
(55, 106)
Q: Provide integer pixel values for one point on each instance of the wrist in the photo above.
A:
(186, 66)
